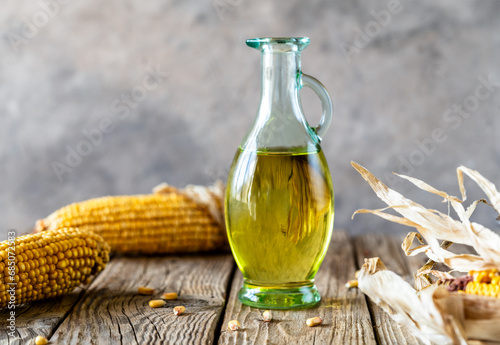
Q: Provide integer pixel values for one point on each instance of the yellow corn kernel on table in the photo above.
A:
(110, 311)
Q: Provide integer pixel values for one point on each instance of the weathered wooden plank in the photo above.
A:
(344, 311)
(389, 250)
(37, 318)
(111, 312)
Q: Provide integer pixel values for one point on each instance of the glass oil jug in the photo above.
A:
(279, 202)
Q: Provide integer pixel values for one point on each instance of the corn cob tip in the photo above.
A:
(49, 264)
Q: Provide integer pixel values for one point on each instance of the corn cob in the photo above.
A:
(168, 221)
(49, 264)
(484, 283)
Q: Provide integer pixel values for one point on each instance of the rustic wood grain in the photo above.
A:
(389, 250)
(111, 312)
(344, 311)
(37, 318)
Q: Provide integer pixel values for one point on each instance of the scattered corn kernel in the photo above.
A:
(144, 290)
(267, 316)
(157, 303)
(169, 295)
(351, 283)
(314, 321)
(41, 340)
(179, 310)
(234, 325)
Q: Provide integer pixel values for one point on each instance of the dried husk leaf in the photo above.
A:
(438, 274)
(211, 197)
(488, 188)
(433, 226)
(422, 281)
(413, 211)
(484, 241)
(414, 310)
(373, 265)
(408, 242)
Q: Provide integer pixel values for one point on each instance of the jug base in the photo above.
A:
(279, 297)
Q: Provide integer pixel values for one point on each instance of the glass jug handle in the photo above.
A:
(326, 103)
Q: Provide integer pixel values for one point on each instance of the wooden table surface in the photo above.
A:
(109, 311)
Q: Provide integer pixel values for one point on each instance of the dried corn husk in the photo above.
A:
(488, 188)
(211, 197)
(414, 310)
(433, 225)
(431, 312)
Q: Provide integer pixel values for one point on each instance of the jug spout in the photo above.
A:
(279, 44)
(281, 71)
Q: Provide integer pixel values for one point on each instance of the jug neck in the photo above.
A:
(280, 79)
(280, 125)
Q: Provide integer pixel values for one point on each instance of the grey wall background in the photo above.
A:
(65, 66)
